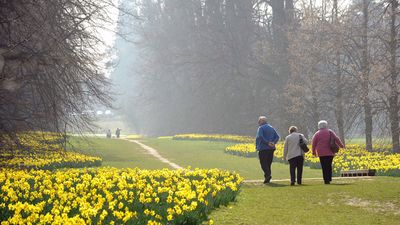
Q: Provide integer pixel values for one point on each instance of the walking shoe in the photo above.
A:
(292, 184)
(267, 180)
(327, 182)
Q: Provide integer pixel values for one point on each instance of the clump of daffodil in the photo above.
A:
(45, 150)
(354, 157)
(214, 137)
(113, 196)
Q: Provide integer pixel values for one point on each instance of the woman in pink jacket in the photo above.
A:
(321, 148)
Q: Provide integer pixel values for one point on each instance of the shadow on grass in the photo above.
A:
(275, 185)
(340, 184)
(303, 185)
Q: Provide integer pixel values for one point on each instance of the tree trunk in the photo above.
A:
(339, 101)
(365, 79)
(280, 28)
(315, 112)
(280, 41)
(289, 11)
(339, 84)
(393, 99)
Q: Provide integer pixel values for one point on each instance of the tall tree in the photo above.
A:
(50, 77)
(394, 108)
(280, 41)
(339, 83)
(365, 77)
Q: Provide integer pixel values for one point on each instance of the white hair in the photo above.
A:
(322, 124)
(262, 120)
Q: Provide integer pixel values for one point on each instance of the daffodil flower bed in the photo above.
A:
(246, 150)
(355, 157)
(113, 196)
(36, 140)
(214, 137)
(48, 160)
(44, 150)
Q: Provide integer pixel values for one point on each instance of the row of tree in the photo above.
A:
(49, 65)
(216, 65)
(348, 58)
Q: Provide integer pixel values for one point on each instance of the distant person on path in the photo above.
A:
(108, 133)
(321, 148)
(117, 132)
(265, 145)
(294, 154)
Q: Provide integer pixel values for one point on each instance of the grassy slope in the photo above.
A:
(375, 201)
(118, 153)
(204, 154)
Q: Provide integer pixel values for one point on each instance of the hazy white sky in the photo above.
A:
(317, 3)
(107, 34)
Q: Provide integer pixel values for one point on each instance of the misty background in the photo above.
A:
(162, 67)
(214, 66)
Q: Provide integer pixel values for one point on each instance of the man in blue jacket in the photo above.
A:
(265, 145)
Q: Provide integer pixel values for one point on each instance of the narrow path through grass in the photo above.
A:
(118, 153)
(155, 154)
(205, 154)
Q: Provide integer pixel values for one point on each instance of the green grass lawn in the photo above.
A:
(346, 201)
(205, 154)
(117, 153)
(350, 201)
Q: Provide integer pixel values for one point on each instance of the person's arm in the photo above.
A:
(285, 149)
(314, 143)
(261, 136)
(259, 133)
(338, 141)
(276, 137)
(304, 139)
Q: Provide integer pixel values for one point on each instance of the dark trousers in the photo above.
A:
(326, 164)
(296, 163)
(266, 157)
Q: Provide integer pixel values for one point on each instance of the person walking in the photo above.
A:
(266, 139)
(117, 132)
(294, 154)
(321, 148)
(108, 133)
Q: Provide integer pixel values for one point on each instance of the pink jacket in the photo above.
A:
(320, 143)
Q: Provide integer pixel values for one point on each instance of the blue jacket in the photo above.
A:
(265, 134)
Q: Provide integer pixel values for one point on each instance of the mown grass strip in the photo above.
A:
(348, 201)
(118, 153)
(205, 154)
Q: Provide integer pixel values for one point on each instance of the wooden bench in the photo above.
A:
(357, 173)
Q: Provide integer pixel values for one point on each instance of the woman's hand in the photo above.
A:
(271, 144)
